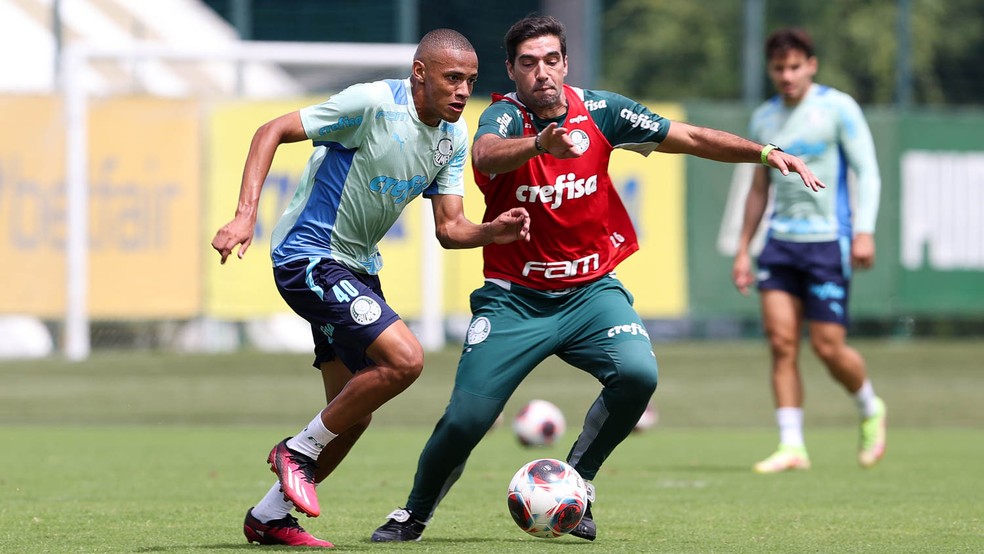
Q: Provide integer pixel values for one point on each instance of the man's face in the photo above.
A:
(792, 74)
(539, 72)
(447, 81)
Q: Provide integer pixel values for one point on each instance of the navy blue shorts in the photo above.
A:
(818, 273)
(346, 310)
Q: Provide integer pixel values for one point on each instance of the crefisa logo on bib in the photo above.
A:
(443, 153)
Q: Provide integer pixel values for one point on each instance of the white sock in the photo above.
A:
(313, 439)
(273, 506)
(865, 399)
(790, 422)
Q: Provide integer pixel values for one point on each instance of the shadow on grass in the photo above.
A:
(366, 544)
(223, 546)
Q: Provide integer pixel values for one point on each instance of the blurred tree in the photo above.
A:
(672, 49)
(955, 63)
(484, 24)
(680, 49)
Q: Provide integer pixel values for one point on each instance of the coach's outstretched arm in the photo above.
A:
(492, 154)
(722, 146)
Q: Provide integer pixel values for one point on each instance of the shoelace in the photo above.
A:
(401, 515)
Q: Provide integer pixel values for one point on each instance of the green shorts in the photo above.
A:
(592, 327)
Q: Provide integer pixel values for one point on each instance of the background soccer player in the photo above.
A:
(546, 148)
(814, 240)
(377, 147)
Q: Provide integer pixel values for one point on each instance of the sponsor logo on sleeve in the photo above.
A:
(640, 120)
(342, 123)
(504, 120)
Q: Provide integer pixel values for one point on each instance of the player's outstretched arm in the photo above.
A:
(239, 231)
(454, 230)
(722, 146)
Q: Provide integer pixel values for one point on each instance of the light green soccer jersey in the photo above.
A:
(828, 131)
(372, 156)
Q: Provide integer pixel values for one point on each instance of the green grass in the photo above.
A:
(164, 453)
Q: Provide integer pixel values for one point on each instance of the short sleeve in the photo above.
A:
(339, 119)
(502, 119)
(451, 179)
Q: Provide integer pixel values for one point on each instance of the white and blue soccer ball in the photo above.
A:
(539, 423)
(547, 498)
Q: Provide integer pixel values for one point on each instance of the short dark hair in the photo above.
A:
(533, 26)
(439, 39)
(785, 40)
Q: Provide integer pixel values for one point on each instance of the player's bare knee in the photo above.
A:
(826, 350)
(403, 363)
(782, 344)
(413, 367)
(406, 370)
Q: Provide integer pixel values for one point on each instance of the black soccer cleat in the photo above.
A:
(401, 527)
(586, 529)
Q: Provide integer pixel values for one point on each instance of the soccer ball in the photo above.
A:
(648, 420)
(547, 498)
(539, 423)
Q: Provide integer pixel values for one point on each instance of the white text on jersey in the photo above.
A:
(504, 120)
(593, 105)
(559, 270)
(640, 120)
(553, 195)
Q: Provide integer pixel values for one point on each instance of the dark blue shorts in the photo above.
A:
(818, 273)
(346, 310)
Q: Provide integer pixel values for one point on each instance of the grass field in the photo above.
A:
(164, 453)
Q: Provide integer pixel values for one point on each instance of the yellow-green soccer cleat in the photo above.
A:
(784, 459)
(873, 433)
